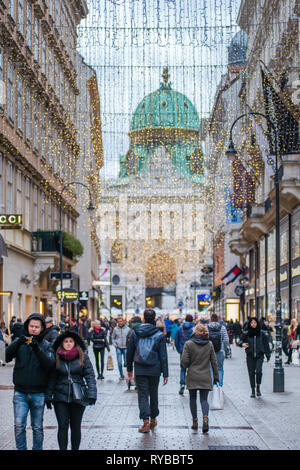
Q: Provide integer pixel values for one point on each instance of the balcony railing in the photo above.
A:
(48, 241)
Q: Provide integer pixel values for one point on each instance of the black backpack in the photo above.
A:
(146, 353)
(215, 337)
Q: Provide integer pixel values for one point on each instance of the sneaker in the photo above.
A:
(146, 426)
(122, 378)
(181, 390)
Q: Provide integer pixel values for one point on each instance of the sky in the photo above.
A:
(129, 42)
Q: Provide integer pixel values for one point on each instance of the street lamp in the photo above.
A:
(278, 375)
(90, 207)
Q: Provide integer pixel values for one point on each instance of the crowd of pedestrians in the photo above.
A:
(52, 366)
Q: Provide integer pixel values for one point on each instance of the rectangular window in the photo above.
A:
(49, 215)
(61, 85)
(1, 184)
(44, 55)
(50, 143)
(284, 247)
(9, 188)
(43, 134)
(19, 202)
(11, 8)
(296, 240)
(36, 125)
(20, 103)
(42, 211)
(10, 91)
(35, 208)
(27, 204)
(56, 78)
(54, 150)
(28, 25)
(55, 217)
(21, 16)
(28, 114)
(56, 14)
(50, 67)
(1, 78)
(36, 40)
(51, 7)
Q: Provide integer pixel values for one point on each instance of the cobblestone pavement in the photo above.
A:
(269, 422)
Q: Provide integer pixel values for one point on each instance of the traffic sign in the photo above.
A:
(56, 276)
(180, 304)
(239, 290)
(84, 295)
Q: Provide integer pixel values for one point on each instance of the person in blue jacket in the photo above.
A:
(168, 324)
(183, 334)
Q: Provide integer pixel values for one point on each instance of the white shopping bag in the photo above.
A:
(216, 398)
(295, 357)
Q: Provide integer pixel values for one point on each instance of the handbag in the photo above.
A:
(110, 364)
(80, 391)
(216, 398)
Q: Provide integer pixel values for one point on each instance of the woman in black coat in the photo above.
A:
(72, 364)
(256, 343)
(99, 340)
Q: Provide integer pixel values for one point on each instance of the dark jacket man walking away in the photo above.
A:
(147, 350)
(52, 331)
(34, 362)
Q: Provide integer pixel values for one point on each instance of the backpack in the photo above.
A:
(145, 353)
(216, 338)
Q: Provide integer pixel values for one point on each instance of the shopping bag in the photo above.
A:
(110, 364)
(295, 357)
(216, 398)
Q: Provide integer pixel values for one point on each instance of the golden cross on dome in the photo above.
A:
(166, 75)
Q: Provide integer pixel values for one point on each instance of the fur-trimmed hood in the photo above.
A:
(69, 334)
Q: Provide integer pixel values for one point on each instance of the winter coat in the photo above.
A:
(258, 345)
(99, 340)
(59, 388)
(168, 324)
(183, 334)
(32, 365)
(119, 336)
(237, 328)
(174, 327)
(159, 346)
(83, 331)
(51, 333)
(197, 357)
(223, 331)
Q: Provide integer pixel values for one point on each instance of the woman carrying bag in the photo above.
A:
(197, 356)
(71, 387)
(293, 343)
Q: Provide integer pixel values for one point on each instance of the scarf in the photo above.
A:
(96, 330)
(68, 355)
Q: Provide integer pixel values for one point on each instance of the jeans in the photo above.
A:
(220, 355)
(23, 403)
(121, 352)
(147, 386)
(68, 414)
(203, 401)
(182, 374)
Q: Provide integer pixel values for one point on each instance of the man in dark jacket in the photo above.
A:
(34, 360)
(52, 331)
(183, 334)
(147, 349)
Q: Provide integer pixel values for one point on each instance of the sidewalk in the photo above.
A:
(269, 422)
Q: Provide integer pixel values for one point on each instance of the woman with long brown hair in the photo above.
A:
(73, 366)
(197, 356)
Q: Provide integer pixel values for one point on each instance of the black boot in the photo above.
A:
(258, 393)
(195, 424)
(253, 392)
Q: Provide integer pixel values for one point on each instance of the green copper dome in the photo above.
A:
(165, 108)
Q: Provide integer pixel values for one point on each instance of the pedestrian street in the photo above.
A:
(269, 422)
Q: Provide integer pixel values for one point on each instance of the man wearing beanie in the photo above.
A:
(183, 334)
(34, 360)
